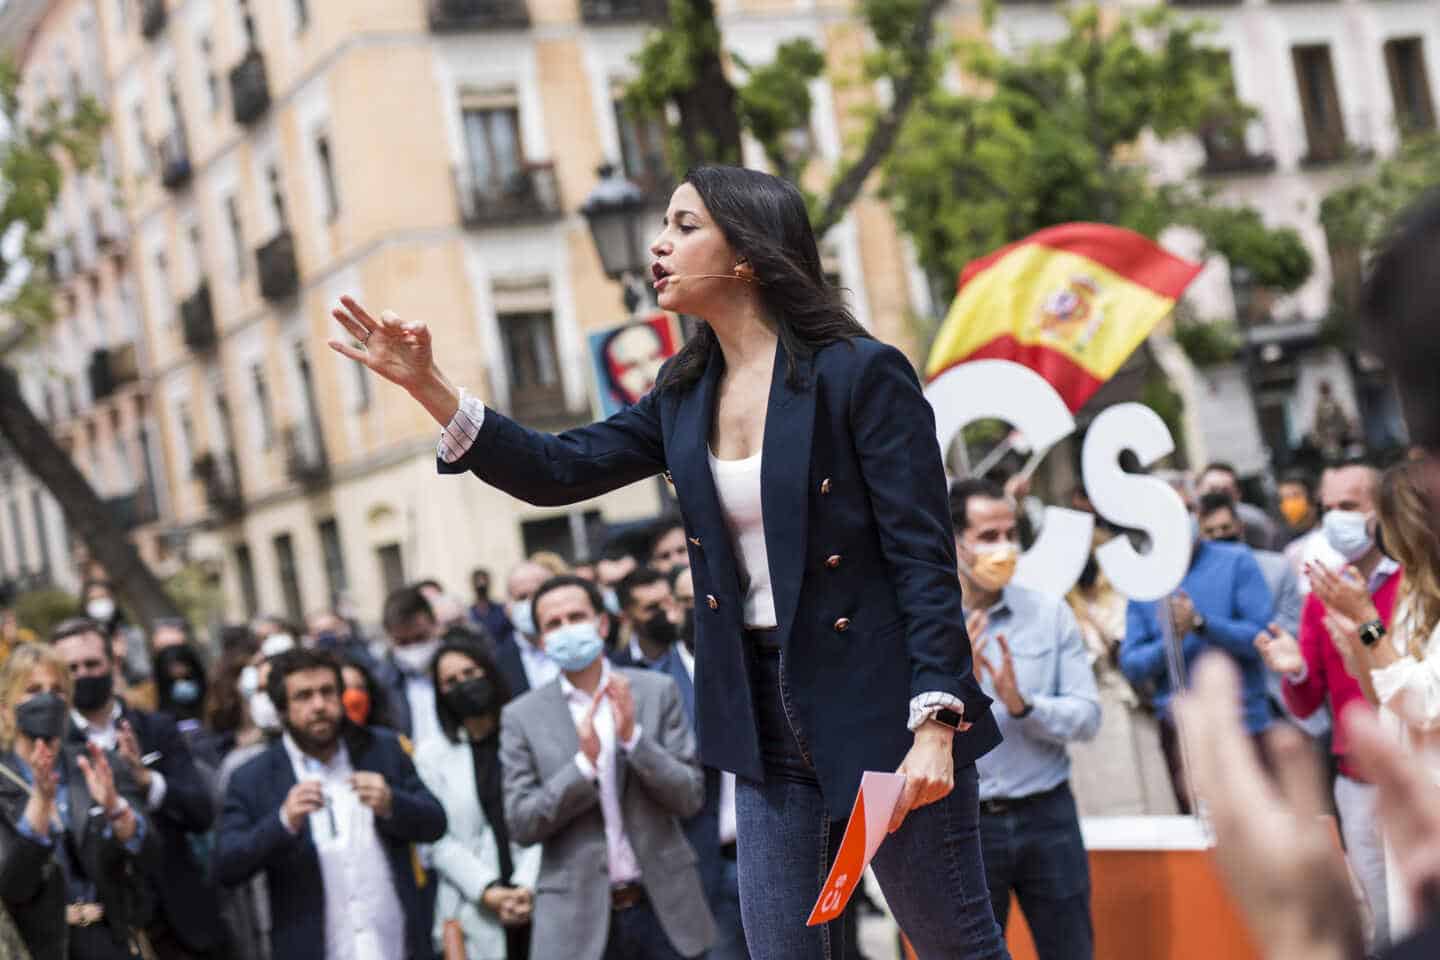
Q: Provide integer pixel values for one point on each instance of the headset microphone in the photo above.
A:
(671, 278)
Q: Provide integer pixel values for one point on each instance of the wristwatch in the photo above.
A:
(948, 717)
(1371, 631)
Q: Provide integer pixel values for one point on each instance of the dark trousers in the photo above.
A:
(636, 934)
(1033, 848)
(95, 942)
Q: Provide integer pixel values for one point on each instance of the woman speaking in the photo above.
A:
(829, 632)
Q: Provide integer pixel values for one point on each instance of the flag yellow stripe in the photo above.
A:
(1110, 315)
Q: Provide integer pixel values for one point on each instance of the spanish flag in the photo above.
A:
(1071, 302)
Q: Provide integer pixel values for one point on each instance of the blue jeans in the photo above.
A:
(930, 869)
(636, 934)
(1034, 848)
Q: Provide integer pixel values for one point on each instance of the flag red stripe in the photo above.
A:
(1134, 257)
(1073, 382)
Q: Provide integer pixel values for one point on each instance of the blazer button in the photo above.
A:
(842, 624)
(825, 485)
(832, 561)
(695, 541)
(711, 602)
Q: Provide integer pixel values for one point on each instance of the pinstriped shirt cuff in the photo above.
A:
(925, 705)
(460, 433)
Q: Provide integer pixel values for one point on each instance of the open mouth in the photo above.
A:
(661, 275)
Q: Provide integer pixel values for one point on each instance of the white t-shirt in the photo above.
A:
(737, 483)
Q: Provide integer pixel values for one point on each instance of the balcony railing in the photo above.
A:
(152, 18)
(249, 88)
(530, 193)
(112, 368)
(220, 475)
(175, 170)
(134, 509)
(1231, 147)
(1349, 142)
(197, 319)
(279, 273)
(623, 11)
(305, 459)
(446, 15)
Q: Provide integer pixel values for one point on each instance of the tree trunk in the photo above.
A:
(709, 117)
(107, 541)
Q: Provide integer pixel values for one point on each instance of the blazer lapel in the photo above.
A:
(785, 483)
(688, 453)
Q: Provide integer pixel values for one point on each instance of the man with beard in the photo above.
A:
(328, 812)
(177, 801)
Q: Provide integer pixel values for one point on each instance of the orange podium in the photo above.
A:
(1154, 895)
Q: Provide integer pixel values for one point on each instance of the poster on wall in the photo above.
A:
(626, 359)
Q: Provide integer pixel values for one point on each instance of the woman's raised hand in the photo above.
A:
(399, 352)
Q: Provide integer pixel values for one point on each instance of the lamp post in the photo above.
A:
(615, 212)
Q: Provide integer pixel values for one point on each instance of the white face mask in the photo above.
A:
(1348, 532)
(101, 608)
(262, 712)
(415, 658)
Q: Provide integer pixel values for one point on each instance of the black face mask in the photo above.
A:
(42, 717)
(92, 692)
(660, 631)
(473, 698)
(1233, 538)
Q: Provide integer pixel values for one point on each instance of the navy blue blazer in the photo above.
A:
(251, 838)
(862, 552)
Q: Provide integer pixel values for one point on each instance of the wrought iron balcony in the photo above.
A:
(175, 169)
(530, 193)
(152, 18)
(197, 319)
(134, 509)
(305, 459)
(249, 88)
(279, 273)
(220, 475)
(623, 11)
(112, 368)
(450, 15)
(1236, 147)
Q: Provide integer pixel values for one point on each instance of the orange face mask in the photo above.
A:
(357, 706)
(1294, 508)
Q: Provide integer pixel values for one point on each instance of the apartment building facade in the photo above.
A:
(426, 156)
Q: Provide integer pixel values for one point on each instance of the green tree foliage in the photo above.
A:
(1360, 214)
(772, 101)
(1050, 136)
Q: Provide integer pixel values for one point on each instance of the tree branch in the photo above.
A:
(886, 128)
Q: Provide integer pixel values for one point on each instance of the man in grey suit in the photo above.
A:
(599, 768)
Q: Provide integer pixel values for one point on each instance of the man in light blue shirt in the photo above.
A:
(1031, 660)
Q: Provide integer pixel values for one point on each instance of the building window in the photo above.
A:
(197, 252)
(289, 576)
(302, 14)
(642, 147)
(22, 553)
(166, 307)
(237, 235)
(42, 536)
(492, 146)
(327, 177)
(392, 567)
(264, 418)
(1409, 84)
(212, 76)
(1320, 101)
(141, 146)
(334, 559)
(245, 571)
(187, 435)
(277, 197)
(530, 357)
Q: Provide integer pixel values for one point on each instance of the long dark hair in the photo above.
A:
(764, 220)
(450, 722)
(379, 699)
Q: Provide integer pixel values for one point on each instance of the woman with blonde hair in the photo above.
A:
(1398, 669)
(69, 896)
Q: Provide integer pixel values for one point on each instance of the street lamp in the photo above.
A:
(615, 211)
